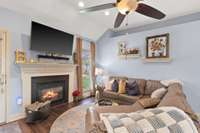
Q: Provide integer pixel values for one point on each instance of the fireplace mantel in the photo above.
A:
(30, 70)
(32, 67)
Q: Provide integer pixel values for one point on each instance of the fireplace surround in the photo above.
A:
(29, 71)
(53, 88)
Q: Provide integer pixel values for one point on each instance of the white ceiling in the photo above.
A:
(64, 14)
(172, 8)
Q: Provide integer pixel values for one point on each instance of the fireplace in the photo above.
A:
(54, 88)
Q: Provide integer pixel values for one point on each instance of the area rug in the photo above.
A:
(72, 121)
(10, 128)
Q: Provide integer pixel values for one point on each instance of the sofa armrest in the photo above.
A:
(90, 119)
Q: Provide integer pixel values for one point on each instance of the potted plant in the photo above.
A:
(76, 94)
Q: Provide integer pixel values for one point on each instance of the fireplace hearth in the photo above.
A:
(53, 88)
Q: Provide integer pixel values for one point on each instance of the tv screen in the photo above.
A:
(50, 40)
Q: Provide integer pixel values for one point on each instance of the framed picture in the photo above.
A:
(20, 56)
(157, 46)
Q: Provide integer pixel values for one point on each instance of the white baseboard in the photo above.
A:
(16, 117)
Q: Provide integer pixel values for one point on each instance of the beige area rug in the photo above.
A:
(10, 128)
(72, 121)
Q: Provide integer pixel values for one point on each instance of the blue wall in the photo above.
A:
(19, 27)
(185, 52)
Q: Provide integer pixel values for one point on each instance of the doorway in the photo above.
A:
(3, 46)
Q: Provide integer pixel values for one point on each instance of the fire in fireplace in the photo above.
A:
(53, 88)
(52, 94)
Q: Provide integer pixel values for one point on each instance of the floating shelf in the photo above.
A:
(160, 60)
(130, 56)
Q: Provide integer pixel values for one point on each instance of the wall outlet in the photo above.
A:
(19, 100)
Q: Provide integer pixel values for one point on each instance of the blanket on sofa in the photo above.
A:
(158, 120)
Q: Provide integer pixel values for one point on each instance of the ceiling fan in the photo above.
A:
(125, 7)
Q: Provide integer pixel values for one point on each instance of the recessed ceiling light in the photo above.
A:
(81, 4)
(107, 13)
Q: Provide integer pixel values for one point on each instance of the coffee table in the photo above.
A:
(106, 102)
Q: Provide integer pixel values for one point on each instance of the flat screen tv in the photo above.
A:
(49, 40)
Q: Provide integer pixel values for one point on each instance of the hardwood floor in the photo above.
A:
(44, 126)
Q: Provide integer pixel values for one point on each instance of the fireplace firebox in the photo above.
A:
(53, 88)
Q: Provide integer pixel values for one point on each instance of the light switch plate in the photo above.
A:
(19, 100)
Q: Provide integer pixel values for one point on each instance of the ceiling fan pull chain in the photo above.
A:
(127, 21)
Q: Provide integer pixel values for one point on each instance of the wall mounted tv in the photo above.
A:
(49, 40)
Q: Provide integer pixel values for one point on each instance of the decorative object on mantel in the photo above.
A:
(32, 61)
(125, 52)
(37, 111)
(158, 46)
(20, 57)
(76, 94)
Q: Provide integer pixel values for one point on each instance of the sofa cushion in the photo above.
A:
(115, 86)
(140, 82)
(149, 102)
(109, 85)
(110, 94)
(130, 99)
(132, 88)
(151, 86)
(122, 86)
(176, 97)
(159, 93)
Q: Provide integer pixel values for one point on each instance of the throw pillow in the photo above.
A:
(149, 102)
(132, 88)
(115, 86)
(109, 85)
(159, 93)
(122, 86)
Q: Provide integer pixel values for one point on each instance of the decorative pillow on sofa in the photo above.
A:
(151, 86)
(132, 88)
(122, 86)
(149, 102)
(159, 93)
(109, 85)
(115, 86)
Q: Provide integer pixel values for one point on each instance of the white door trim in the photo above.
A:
(7, 60)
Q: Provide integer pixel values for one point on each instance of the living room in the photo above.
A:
(96, 66)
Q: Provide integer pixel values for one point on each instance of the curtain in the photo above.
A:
(78, 61)
(93, 66)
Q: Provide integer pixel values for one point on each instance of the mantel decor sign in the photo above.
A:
(157, 46)
(20, 57)
(128, 52)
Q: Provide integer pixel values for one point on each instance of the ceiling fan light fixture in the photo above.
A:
(81, 4)
(125, 6)
(107, 13)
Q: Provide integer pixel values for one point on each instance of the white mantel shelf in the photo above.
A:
(46, 65)
(29, 70)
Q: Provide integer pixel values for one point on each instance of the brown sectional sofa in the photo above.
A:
(174, 97)
(146, 87)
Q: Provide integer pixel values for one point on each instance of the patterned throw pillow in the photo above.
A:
(115, 86)
(159, 93)
(122, 86)
(132, 88)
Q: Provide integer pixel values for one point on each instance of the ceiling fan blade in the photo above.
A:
(120, 18)
(149, 11)
(97, 8)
